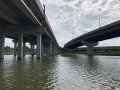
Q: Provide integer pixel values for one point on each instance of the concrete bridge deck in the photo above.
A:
(92, 38)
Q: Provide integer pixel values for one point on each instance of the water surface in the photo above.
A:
(80, 72)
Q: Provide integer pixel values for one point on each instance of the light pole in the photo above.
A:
(99, 17)
(72, 32)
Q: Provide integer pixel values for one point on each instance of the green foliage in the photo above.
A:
(27, 49)
(9, 50)
(68, 54)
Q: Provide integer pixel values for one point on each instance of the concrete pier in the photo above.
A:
(54, 49)
(2, 43)
(90, 46)
(15, 47)
(20, 46)
(51, 50)
(32, 49)
(24, 46)
(42, 49)
(39, 45)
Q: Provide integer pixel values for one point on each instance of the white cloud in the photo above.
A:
(81, 16)
(8, 42)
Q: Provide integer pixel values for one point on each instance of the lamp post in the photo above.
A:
(72, 32)
(99, 17)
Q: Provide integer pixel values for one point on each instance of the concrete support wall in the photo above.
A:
(2, 43)
(39, 45)
(20, 46)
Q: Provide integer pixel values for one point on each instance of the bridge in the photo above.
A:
(92, 38)
(25, 21)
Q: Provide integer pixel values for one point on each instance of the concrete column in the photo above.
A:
(42, 49)
(30, 49)
(2, 43)
(90, 46)
(90, 49)
(39, 45)
(24, 45)
(20, 46)
(33, 47)
(54, 50)
(58, 50)
(51, 48)
(15, 48)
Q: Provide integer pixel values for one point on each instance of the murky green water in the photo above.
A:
(61, 73)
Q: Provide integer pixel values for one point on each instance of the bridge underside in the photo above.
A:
(25, 21)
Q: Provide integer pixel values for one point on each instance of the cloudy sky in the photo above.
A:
(72, 18)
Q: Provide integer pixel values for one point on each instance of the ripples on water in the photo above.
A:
(61, 73)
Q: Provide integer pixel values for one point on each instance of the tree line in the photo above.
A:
(10, 49)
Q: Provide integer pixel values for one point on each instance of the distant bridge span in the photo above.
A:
(92, 38)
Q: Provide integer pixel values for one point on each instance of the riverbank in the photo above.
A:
(72, 54)
(11, 53)
(68, 54)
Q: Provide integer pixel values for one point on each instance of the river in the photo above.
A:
(79, 72)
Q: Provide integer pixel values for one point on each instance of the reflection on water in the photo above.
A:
(61, 73)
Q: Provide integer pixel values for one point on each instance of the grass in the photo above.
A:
(68, 54)
(105, 53)
(108, 54)
(8, 53)
(11, 53)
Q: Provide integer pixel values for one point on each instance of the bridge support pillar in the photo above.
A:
(90, 46)
(2, 43)
(15, 48)
(42, 49)
(39, 45)
(32, 49)
(54, 49)
(51, 48)
(24, 46)
(20, 46)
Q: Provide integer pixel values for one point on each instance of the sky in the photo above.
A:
(72, 18)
